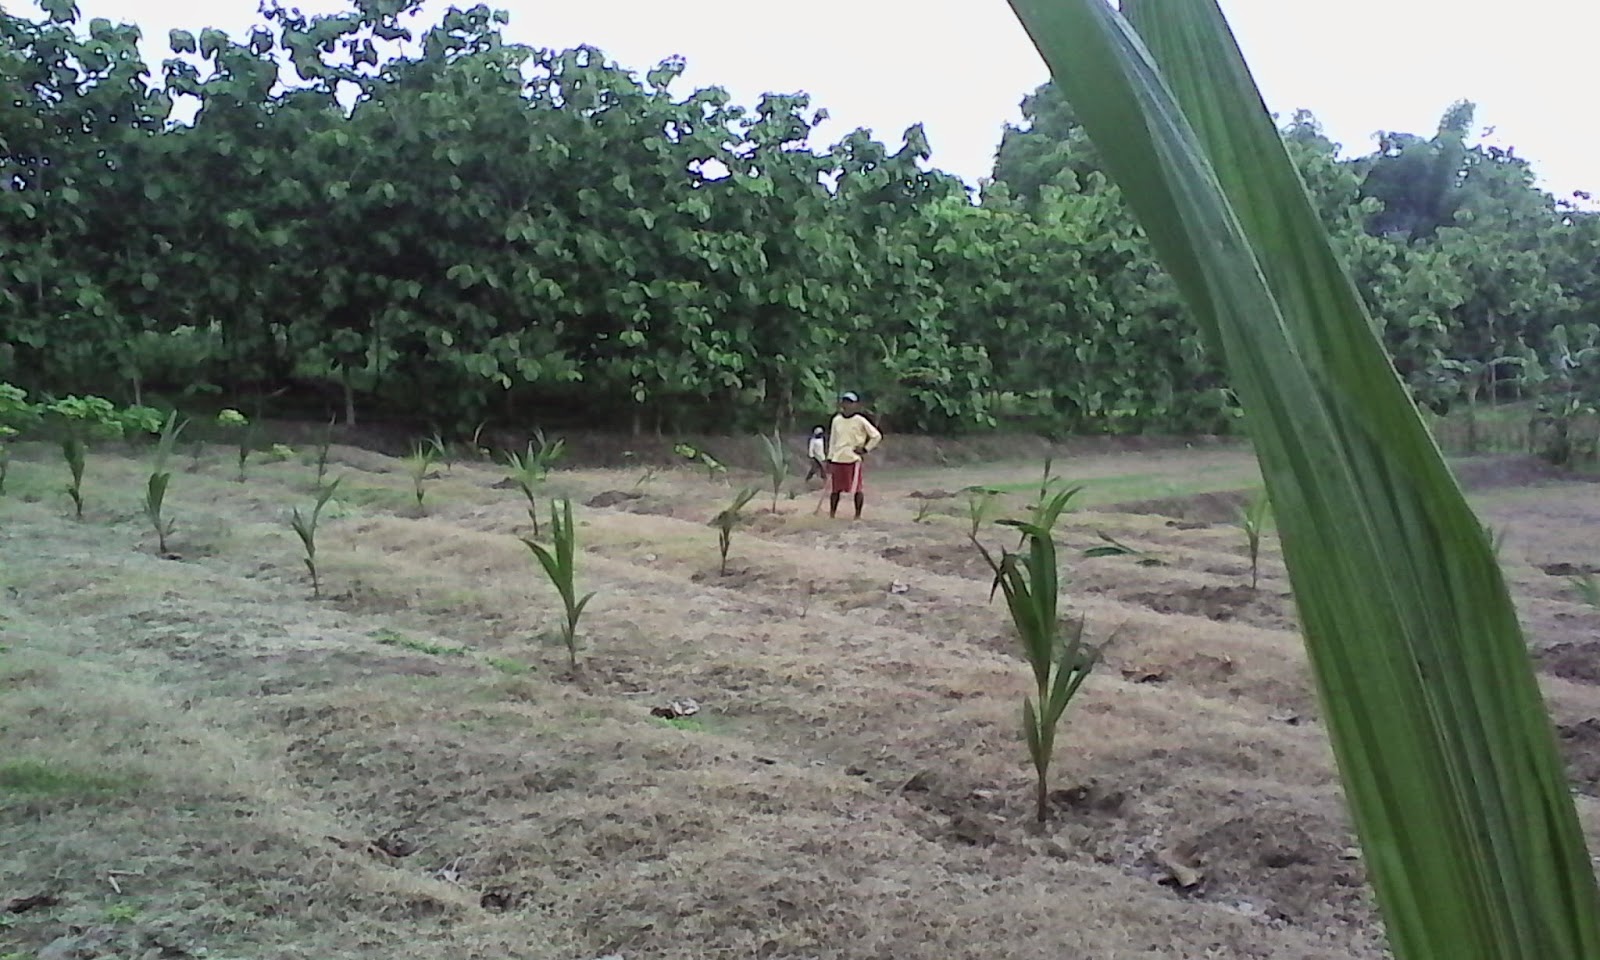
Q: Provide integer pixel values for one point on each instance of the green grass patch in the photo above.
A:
(382, 498)
(29, 777)
(510, 667)
(394, 638)
(1108, 490)
(683, 723)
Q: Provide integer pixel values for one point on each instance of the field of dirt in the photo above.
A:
(200, 759)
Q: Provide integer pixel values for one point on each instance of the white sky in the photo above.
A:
(961, 67)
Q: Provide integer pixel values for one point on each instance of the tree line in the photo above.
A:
(361, 215)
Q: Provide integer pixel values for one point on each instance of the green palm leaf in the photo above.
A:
(1440, 732)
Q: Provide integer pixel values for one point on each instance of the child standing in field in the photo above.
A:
(817, 451)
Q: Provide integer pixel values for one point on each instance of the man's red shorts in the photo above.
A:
(847, 477)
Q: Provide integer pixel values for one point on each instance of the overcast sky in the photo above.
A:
(962, 66)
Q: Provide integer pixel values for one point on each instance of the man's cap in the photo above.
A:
(849, 397)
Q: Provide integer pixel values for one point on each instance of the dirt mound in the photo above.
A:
(1220, 507)
(1291, 865)
(949, 559)
(1580, 744)
(1571, 661)
(1220, 603)
(612, 498)
(1565, 569)
(1520, 470)
(1213, 603)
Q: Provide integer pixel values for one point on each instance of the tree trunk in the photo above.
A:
(349, 400)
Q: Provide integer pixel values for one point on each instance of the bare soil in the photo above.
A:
(202, 759)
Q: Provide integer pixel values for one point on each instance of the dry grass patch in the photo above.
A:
(404, 770)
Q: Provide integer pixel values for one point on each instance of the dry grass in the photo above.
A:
(199, 756)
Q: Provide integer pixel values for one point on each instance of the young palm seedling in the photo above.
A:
(418, 466)
(924, 508)
(529, 471)
(560, 566)
(726, 521)
(305, 527)
(1112, 547)
(444, 452)
(324, 442)
(777, 463)
(477, 441)
(1060, 659)
(243, 430)
(1052, 503)
(155, 491)
(1253, 520)
(74, 451)
(80, 417)
(1588, 588)
(980, 507)
(712, 466)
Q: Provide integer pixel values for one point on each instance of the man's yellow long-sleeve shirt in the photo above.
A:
(849, 434)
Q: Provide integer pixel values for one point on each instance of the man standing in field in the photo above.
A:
(850, 438)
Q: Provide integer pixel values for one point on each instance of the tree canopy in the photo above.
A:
(352, 213)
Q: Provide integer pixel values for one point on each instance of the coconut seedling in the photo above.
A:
(324, 442)
(560, 566)
(443, 451)
(305, 527)
(1451, 775)
(530, 470)
(1112, 547)
(155, 491)
(777, 464)
(1253, 518)
(1588, 588)
(726, 521)
(478, 449)
(980, 507)
(79, 418)
(1056, 652)
(712, 466)
(243, 431)
(418, 466)
(1052, 503)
